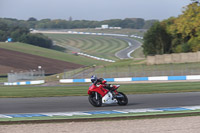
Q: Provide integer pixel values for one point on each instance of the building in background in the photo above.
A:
(107, 27)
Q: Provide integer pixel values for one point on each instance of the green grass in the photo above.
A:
(67, 74)
(3, 79)
(145, 88)
(31, 91)
(138, 53)
(160, 88)
(138, 68)
(100, 46)
(49, 53)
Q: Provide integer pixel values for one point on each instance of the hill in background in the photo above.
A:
(18, 61)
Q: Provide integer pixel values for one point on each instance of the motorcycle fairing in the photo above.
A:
(108, 98)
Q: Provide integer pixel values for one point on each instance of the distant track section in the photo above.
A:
(126, 53)
(122, 54)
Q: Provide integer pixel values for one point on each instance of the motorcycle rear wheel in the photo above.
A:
(123, 100)
(95, 102)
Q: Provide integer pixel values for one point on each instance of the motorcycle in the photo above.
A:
(103, 93)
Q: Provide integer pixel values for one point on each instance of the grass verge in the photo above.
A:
(81, 90)
(2, 79)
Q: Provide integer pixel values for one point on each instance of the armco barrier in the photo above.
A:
(26, 83)
(159, 78)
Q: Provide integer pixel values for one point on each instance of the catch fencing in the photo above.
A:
(26, 76)
(135, 71)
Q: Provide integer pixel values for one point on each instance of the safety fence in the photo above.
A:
(26, 76)
(135, 71)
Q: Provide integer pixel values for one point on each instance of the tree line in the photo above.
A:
(22, 34)
(133, 23)
(176, 34)
(19, 30)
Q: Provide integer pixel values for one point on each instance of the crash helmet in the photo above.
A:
(93, 78)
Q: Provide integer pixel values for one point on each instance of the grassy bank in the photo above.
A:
(49, 53)
(81, 90)
(100, 46)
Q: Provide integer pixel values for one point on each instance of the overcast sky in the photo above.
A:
(91, 9)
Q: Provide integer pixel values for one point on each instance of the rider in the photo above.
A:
(95, 81)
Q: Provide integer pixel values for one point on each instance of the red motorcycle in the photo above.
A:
(102, 93)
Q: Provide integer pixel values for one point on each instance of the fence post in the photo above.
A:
(104, 72)
(117, 72)
(64, 75)
(143, 71)
(129, 70)
(94, 69)
(154, 70)
(172, 72)
(83, 74)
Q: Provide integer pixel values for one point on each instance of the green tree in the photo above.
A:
(149, 23)
(157, 40)
(127, 23)
(32, 19)
(139, 23)
(185, 29)
(37, 40)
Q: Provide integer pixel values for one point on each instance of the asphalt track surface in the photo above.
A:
(80, 103)
(125, 53)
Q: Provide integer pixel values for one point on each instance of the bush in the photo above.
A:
(22, 34)
(157, 40)
(37, 40)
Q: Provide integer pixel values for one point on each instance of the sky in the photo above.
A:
(91, 9)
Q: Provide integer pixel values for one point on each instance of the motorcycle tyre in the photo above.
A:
(94, 102)
(122, 101)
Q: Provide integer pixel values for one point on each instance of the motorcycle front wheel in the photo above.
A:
(122, 100)
(95, 99)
